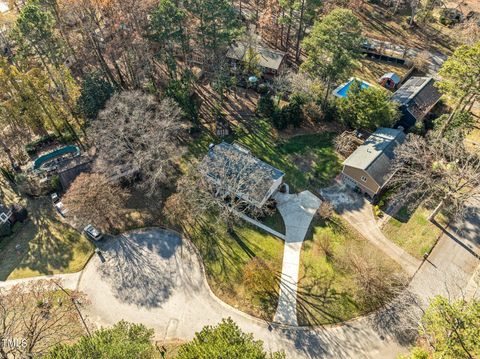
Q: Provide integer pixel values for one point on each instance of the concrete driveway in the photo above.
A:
(297, 211)
(358, 212)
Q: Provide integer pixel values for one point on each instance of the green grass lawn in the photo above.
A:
(414, 233)
(307, 160)
(327, 291)
(274, 221)
(43, 245)
(226, 258)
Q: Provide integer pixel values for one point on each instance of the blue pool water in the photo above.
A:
(342, 90)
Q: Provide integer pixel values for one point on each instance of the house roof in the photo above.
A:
(268, 58)
(376, 153)
(248, 165)
(418, 95)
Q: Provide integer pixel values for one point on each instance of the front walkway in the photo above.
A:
(358, 212)
(297, 211)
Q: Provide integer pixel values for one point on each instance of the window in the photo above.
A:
(364, 179)
(3, 217)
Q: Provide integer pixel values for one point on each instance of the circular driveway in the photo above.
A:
(154, 277)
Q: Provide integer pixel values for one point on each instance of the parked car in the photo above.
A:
(92, 233)
(61, 208)
(54, 197)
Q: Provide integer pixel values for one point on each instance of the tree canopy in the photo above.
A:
(449, 329)
(333, 46)
(136, 132)
(122, 341)
(225, 340)
(367, 108)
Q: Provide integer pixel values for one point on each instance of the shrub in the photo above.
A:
(266, 107)
(33, 147)
(55, 183)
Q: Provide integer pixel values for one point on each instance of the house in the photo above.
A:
(368, 168)
(234, 170)
(270, 61)
(389, 80)
(416, 99)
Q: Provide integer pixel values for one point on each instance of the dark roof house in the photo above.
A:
(269, 60)
(234, 169)
(368, 167)
(416, 98)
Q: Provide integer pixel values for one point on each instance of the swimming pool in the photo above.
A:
(56, 154)
(342, 90)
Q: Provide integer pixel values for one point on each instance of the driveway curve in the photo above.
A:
(155, 277)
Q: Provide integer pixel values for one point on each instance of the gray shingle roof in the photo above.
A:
(418, 95)
(232, 156)
(375, 155)
(268, 58)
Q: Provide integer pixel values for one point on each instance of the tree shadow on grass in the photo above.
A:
(43, 244)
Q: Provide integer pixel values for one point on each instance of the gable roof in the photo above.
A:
(418, 95)
(268, 58)
(376, 153)
(249, 167)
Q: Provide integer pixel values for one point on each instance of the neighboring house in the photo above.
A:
(270, 61)
(416, 98)
(256, 180)
(368, 168)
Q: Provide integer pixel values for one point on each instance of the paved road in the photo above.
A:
(154, 277)
(358, 212)
(297, 211)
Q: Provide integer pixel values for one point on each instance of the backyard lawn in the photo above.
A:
(328, 290)
(43, 245)
(308, 161)
(371, 70)
(414, 233)
(242, 268)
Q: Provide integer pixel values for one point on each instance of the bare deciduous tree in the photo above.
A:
(226, 182)
(91, 198)
(326, 210)
(437, 171)
(422, 60)
(346, 143)
(136, 132)
(377, 282)
(291, 81)
(38, 317)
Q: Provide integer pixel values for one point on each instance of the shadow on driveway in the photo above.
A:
(134, 271)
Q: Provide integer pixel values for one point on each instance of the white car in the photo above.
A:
(54, 197)
(92, 233)
(61, 208)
